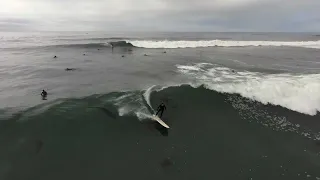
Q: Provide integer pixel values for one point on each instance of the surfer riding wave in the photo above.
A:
(160, 109)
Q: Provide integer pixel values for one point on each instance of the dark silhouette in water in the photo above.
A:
(70, 69)
(160, 109)
(122, 56)
(44, 95)
(84, 54)
(164, 52)
(55, 57)
(145, 55)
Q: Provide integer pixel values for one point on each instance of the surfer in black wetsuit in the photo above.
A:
(161, 108)
(44, 94)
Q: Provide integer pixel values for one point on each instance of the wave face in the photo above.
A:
(83, 45)
(121, 44)
(221, 43)
(96, 45)
(86, 45)
(299, 93)
(204, 124)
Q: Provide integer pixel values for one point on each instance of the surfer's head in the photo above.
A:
(44, 93)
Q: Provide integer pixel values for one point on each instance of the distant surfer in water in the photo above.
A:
(44, 94)
(161, 108)
(70, 69)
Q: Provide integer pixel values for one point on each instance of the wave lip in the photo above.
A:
(299, 93)
(221, 43)
(97, 45)
(121, 44)
(81, 45)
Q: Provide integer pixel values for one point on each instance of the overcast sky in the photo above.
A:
(160, 15)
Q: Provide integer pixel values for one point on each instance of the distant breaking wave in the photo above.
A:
(221, 43)
(93, 39)
(152, 44)
(84, 45)
(121, 44)
(95, 45)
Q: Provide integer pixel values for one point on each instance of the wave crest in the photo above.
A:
(296, 92)
(221, 43)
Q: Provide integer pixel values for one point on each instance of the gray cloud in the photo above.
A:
(161, 15)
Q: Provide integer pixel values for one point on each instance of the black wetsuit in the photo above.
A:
(44, 94)
(161, 108)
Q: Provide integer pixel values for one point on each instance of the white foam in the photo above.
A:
(194, 68)
(300, 93)
(221, 43)
(132, 103)
(124, 110)
(143, 116)
(147, 93)
(129, 104)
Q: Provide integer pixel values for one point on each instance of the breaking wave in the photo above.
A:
(96, 45)
(221, 43)
(296, 92)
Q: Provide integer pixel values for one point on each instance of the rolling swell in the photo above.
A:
(121, 44)
(96, 45)
(275, 117)
(84, 45)
(80, 45)
(94, 39)
(116, 106)
(95, 131)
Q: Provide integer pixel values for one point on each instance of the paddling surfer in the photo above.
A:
(160, 109)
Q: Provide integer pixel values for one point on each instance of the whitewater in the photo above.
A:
(239, 106)
(299, 93)
(221, 43)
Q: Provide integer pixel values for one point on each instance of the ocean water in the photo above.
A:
(239, 105)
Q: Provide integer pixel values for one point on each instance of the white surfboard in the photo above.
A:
(156, 118)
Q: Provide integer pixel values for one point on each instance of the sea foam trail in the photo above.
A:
(221, 43)
(135, 103)
(147, 94)
(299, 93)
